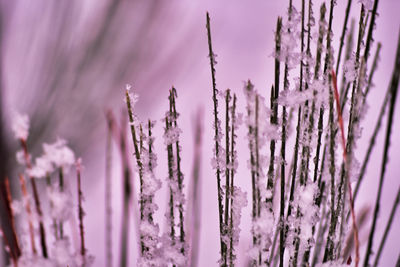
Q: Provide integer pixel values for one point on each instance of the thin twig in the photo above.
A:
(29, 212)
(217, 138)
(12, 217)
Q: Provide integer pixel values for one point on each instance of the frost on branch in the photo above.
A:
(290, 35)
(149, 230)
(62, 204)
(174, 240)
(350, 69)
(260, 132)
(42, 167)
(59, 154)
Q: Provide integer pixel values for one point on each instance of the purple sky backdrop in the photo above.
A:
(243, 39)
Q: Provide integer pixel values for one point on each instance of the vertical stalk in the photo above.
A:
(217, 140)
(232, 173)
(274, 105)
(170, 177)
(61, 185)
(29, 212)
(344, 29)
(227, 148)
(17, 250)
(174, 113)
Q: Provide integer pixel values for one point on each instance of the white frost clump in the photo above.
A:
(61, 204)
(59, 153)
(239, 202)
(294, 98)
(350, 70)
(321, 91)
(263, 227)
(309, 211)
(20, 126)
(20, 157)
(134, 98)
(63, 256)
(33, 261)
(172, 254)
(41, 168)
(171, 135)
(289, 40)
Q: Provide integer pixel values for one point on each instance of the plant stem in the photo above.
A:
(179, 173)
(227, 148)
(29, 212)
(217, 144)
(344, 29)
(233, 156)
(370, 31)
(8, 200)
(274, 106)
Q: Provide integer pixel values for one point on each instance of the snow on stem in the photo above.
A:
(217, 137)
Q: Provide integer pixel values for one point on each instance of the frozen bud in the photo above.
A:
(62, 204)
(42, 167)
(20, 126)
(20, 156)
(133, 98)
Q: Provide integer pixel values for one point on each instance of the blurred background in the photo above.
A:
(65, 62)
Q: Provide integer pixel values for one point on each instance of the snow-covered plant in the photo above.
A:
(41, 225)
(302, 164)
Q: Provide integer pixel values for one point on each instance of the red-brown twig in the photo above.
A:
(12, 219)
(8, 249)
(36, 199)
(340, 120)
(28, 211)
